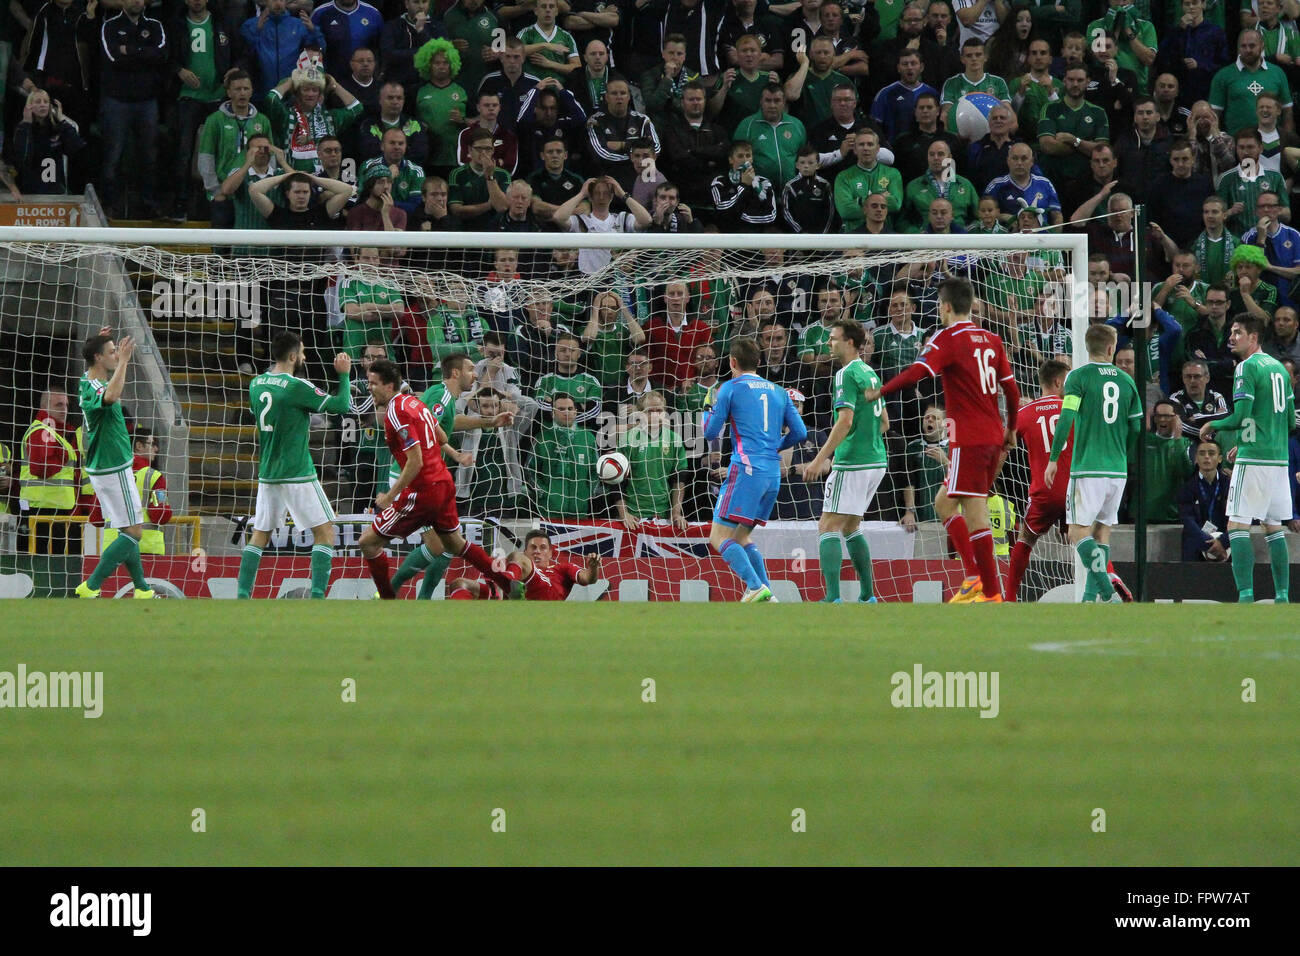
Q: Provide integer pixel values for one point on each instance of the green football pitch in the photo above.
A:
(534, 718)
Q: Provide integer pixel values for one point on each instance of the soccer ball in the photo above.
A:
(612, 468)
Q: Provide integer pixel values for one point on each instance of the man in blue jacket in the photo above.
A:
(276, 37)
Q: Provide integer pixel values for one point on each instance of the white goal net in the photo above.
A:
(596, 343)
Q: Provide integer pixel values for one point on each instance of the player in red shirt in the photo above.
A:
(546, 574)
(424, 493)
(1035, 426)
(973, 365)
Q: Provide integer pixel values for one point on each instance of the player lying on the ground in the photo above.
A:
(424, 493)
(547, 575)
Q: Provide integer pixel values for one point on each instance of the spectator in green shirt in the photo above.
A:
(441, 103)
(926, 469)
(864, 179)
(611, 333)
(1168, 463)
(656, 455)
(564, 463)
(370, 305)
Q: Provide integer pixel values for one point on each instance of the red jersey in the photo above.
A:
(407, 422)
(553, 584)
(1035, 428)
(973, 365)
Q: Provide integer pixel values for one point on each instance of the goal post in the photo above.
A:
(205, 302)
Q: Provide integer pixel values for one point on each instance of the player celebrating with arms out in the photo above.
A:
(424, 493)
(546, 575)
(759, 412)
(857, 444)
(1103, 408)
(282, 403)
(1264, 410)
(109, 460)
(972, 364)
(1036, 427)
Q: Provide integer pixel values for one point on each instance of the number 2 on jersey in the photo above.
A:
(265, 399)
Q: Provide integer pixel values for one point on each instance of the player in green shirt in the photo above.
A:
(282, 404)
(1102, 406)
(564, 462)
(857, 445)
(656, 459)
(1264, 410)
(109, 460)
(370, 305)
(458, 377)
(972, 80)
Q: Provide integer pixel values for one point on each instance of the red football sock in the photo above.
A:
(959, 537)
(379, 571)
(483, 561)
(1019, 562)
(460, 594)
(982, 544)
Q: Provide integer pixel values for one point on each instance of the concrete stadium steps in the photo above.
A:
(216, 411)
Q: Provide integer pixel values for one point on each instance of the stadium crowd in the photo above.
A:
(696, 116)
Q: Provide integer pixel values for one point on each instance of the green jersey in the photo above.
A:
(743, 99)
(655, 461)
(695, 397)
(407, 183)
(203, 62)
(533, 35)
(815, 340)
(815, 101)
(854, 184)
(925, 475)
(452, 330)
(469, 188)
(895, 350)
(108, 446)
(958, 86)
(1236, 188)
(564, 463)
(864, 446)
(1182, 310)
(282, 406)
(1234, 89)
(925, 189)
(297, 133)
(1169, 464)
(583, 387)
(433, 104)
(1215, 255)
(225, 136)
(1144, 31)
(1103, 406)
(477, 30)
(1087, 122)
(1264, 382)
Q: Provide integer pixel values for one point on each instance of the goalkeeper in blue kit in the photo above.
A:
(763, 421)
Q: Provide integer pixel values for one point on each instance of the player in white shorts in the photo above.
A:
(1259, 493)
(305, 502)
(1093, 500)
(119, 498)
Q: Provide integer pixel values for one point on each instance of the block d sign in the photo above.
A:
(53, 213)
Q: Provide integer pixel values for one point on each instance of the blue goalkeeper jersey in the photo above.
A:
(759, 412)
